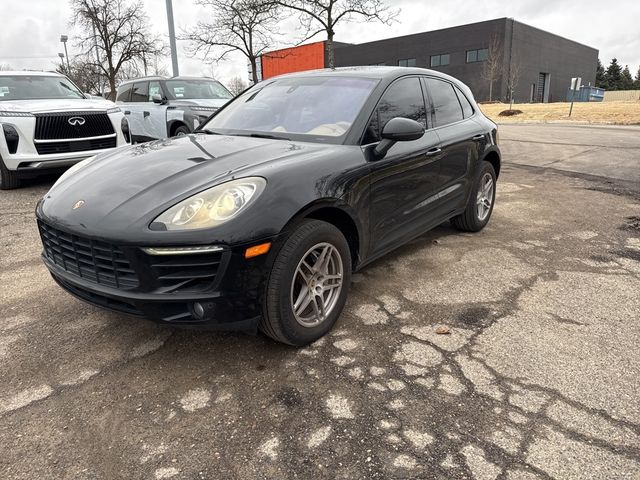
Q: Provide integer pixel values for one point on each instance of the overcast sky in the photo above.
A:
(30, 32)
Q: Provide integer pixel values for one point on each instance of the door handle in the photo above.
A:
(478, 137)
(145, 114)
(127, 112)
(433, 151)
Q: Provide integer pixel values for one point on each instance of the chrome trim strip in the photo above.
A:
(60, 140)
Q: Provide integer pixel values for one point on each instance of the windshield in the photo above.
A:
(197, 89)
(322, 106)
(25, 87)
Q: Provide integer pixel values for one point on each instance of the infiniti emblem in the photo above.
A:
(76, 121)
(77, 205)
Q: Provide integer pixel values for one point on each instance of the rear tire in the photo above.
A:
(480, 205)
(8, 180)
(311, 272)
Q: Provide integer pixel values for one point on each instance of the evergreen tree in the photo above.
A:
(613, 76)
(600, 75)
(636, 82)
(626, 79)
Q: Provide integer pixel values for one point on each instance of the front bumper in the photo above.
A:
(166, 289)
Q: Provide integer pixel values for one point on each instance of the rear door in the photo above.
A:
(404, 182)
(154, 115)
(136, 107)
(459, 138)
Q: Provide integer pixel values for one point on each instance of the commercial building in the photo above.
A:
(544, 62)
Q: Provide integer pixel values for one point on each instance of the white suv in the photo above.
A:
(159, 107)
(46, 122)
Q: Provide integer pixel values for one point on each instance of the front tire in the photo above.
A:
(480, 205)
(181, 130)
(308, 284)
(8, 180)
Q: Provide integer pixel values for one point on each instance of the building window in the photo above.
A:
(407, 62)
(440, 60)
(477, 55)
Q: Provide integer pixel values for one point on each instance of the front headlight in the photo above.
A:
(74, 169)
(213, 206)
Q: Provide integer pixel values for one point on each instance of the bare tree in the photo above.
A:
(84, 74)
(318, 16)
(492, 67)
(245, 26)
(5, 66)
(236, 86)
(512, 74)
(117, 29)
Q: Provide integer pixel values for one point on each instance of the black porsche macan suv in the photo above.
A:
(259, 218)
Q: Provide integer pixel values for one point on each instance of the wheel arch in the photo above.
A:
(493, 157)
(342, 217)
(174, 124)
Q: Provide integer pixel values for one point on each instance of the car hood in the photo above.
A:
(128, 188)
(56, 105)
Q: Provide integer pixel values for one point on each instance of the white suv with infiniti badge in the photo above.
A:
(46, 123)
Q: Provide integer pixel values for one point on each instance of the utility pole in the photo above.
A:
(172, 39)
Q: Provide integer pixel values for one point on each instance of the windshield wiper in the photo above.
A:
(260, 135)
(209, 132)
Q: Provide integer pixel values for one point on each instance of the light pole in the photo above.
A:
(172, 38)
(61, 55)
(63, 39)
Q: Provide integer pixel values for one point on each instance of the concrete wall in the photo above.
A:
(538, 52)
(455, 41)
(621, 95)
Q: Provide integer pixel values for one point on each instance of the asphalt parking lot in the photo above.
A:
(539, 377)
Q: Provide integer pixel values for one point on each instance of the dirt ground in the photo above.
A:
(619, 113)
(539, 377)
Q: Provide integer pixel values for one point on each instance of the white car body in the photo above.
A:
(151, 120)
(55, 132)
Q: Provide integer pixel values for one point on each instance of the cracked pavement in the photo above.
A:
(538, 377)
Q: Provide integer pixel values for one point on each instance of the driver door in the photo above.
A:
(405, 182)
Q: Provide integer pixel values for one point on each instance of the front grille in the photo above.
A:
(56, 126)
(186, 273)
(92, 260)
(48, 148)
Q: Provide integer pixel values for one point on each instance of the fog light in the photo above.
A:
(198, 310)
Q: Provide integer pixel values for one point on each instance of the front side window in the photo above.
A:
(197, 90)
(446, 106)
(140, 92)
(154, 89)
(36, 87)
(308, 108)
(402, 99)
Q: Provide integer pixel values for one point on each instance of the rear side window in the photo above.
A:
(446, 105)
(140, 92)
(402, 99)
(467, 109)
(123, 93)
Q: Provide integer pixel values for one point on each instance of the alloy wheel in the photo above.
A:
(316, 284)
(484, 199)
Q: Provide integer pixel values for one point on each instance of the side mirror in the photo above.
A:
(157, 98)
(398, 129)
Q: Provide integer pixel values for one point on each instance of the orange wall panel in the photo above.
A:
(296, 59)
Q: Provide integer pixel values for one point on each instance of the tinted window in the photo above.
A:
(197, 89)
(140, 92)
(317, 106)
(123, 93)
(402, 99)
(154, 89)
(445, 102)
(467, 109)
